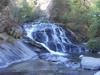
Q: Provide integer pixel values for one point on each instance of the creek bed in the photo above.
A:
(41, 66)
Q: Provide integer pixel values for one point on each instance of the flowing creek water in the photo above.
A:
(60, 56)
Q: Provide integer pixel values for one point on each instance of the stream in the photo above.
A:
(46, 65)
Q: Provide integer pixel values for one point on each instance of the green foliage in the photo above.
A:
(98, 4)
(31, 17)
(95, 26)
(94, 45)
(44, 21)
(22, 8)
(78, 17)
(94, 31)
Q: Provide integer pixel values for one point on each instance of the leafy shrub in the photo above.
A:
(77, 18)
(31, 17)
(95, 30)
(78, 23)
(95, 26)
(94, 45)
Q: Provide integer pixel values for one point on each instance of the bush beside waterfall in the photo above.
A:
(94, 45)
(94, 42)
(78, 19)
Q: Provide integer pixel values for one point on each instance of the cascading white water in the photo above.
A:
(52, 37)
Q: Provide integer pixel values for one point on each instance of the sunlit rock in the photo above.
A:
(14, 52)
(98, 73)
(90, 62)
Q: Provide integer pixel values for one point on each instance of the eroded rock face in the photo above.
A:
(59, 7)
(6, 18)
(52, 9)
(14, 52)
(3, 4)
(43, 7)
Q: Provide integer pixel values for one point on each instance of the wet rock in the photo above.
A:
(52, 45)
(90, 63)
(59, 48)
(71, 48)
(71, 36)
(40, 37)
(34, 45)
(49, 33)
(57, 30)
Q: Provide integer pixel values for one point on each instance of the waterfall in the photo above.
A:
(16, 52)
(54, 38)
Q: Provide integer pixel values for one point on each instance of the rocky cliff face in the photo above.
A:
(6, 19)
(53, 8)
(44, 7)
(3, 4)
(59, 7)
(8, 27)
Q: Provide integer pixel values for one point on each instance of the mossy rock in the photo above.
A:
(94, 45)
(15, 32)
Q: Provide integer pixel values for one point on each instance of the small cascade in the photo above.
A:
(54, 38)
(16, 52)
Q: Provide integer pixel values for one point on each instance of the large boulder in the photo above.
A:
(90, 63)
(98, 73)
